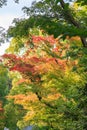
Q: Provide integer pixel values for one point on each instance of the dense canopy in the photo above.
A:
(43, 73)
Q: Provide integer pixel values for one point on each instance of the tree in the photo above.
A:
(53, 71)
(55, 17)
(52, 79)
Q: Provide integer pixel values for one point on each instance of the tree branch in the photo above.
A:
(46, 103)
(70, 18)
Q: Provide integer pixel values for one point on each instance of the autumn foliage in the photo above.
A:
(48, 86)
(51, 55)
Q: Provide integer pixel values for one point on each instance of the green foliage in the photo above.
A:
(49, 25)
(4, 82)
(82, 2)
(4, 89)
(12, 114)
(55, 17)
(16, 45)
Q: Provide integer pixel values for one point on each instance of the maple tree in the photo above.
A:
(48, 88)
